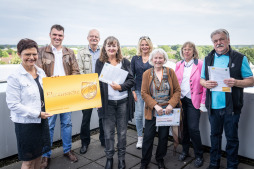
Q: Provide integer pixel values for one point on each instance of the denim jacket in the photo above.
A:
(23, 96)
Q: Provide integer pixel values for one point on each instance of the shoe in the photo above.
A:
(198, 162)
(161, 165)
(83, 149)
(121, 164)
(212, 167)
(71, 156)
(139, 143)
(109, 163)
(143, 166)
(183, 156)
(45, 163)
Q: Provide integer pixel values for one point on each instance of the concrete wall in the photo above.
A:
(8, 139)
(7, 133)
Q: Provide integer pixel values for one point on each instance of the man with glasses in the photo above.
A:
(86, 60)
(224, 108)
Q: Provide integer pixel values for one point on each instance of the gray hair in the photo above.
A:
(160, 51)
(93, 30)
(219, 31)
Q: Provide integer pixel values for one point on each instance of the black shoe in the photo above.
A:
(198, 162)
(183, 156)
(212, 167)
(83, 149)
(143, 166)
(121, 164)
(161, 165)
(109, 163)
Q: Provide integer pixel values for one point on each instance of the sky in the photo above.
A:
(166, 22)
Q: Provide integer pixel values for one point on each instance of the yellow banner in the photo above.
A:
(70, 93)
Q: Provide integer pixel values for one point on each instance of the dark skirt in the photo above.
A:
(33, 139)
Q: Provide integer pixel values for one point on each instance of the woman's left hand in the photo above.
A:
(116, 86)
(168, 109)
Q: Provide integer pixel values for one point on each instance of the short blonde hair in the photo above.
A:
(148, 41)
(191, 45)
(160, 51)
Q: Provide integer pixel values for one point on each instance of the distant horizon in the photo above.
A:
(127, 45)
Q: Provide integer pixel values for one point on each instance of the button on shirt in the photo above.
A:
(185, 85)
(58, 66)
(95, 55)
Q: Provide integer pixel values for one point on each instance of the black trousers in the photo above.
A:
(191, 128)
(147, 147)
(85, 128)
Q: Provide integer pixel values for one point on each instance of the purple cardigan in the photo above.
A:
(198, 92)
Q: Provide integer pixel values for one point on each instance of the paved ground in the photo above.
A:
(95, 157)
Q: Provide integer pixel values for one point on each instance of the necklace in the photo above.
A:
(154, 81)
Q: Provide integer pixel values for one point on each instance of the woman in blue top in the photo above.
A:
(139, 64)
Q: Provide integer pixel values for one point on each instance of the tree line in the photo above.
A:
(173, 52)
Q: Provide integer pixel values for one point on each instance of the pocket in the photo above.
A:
(27, 89)
(86, 62)
(46, 61)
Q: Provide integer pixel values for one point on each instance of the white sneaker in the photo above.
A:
(139, 143)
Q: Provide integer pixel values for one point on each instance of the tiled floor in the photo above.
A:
(95, 157)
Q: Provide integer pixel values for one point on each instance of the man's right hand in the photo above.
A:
(209, 84)
(135, 96)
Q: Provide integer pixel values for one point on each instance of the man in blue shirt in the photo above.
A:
(87, 57)
(224, 108)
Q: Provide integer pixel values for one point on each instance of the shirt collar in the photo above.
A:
(218, 55)
(188, 64)
(98, 48)
(54, 49)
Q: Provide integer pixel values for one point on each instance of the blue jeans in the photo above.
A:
(139, 113)
(66, 131)
(116, 117)
(219, 119)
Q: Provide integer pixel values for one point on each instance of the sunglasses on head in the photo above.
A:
(144, 37)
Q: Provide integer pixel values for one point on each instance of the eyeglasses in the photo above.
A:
(92, 36)
(144, 37)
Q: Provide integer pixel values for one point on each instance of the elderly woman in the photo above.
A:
(25, 99)
(160, 90)
(188, 73)
(139, 64)
(117, 102)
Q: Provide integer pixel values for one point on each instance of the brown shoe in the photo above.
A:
(71, 156)
(45, 163)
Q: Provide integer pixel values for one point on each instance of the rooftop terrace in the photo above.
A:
(95, 157)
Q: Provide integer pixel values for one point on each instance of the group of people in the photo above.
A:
(149, 90)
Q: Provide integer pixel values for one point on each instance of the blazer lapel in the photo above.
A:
(194, 69)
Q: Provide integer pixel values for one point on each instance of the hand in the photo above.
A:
(135, 96)
(168, 109)
(230, 82)
(159, 109)
(209, 84)
(116, 86)
(45, 115)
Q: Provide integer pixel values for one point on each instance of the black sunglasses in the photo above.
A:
(144, 37)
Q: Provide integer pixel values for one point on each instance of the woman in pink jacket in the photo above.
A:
(193, 98)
